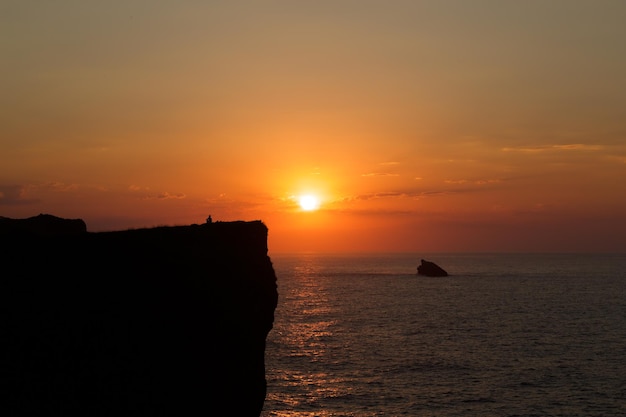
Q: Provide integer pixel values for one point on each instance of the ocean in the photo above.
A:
(503, 335)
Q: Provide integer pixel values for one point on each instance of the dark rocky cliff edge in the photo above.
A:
(163, 321)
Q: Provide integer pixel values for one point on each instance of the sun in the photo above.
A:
(308, 202)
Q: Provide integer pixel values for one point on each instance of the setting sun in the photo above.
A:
(308, 202)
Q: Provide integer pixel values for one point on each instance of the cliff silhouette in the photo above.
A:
(161, 321)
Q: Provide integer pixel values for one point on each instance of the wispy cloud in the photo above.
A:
(56, 186)
(165, 196)
(578, 147)
(384, 172)
(397, 194)
(475, 182)
(375, 212)
(157, 195)
(23, 194)
(379, 174)
(450, 187)
(618, 158)
(14, 195)
(225, 203)
(385, 194)
(552, 148)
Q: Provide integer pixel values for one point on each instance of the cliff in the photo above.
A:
(162, 321)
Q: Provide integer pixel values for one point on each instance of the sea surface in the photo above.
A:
(503, 335)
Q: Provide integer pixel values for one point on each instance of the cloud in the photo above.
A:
(549, 148)
(396, 194)
(618, 158)
(165, 196)
(56, 186)
(12, 195)
(379, 174)
(384, 194)
(462, 186)
(578, 147)
(383, 173)
(375, 212)
(224, 205)
(15, 195)
(476, 182)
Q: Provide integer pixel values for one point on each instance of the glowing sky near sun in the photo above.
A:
(417, 125)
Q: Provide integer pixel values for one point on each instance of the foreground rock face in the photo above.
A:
(431, 269)
(166, 321)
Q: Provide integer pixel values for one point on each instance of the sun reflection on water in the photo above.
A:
(304, 332)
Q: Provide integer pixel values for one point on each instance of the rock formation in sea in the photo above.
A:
(163, 321)
(430, 269)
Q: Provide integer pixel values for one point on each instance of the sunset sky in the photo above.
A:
(468, 125)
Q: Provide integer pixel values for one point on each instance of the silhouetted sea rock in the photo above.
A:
(430, 269)
(164, 321)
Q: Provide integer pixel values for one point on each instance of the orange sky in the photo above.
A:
(420, 125)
